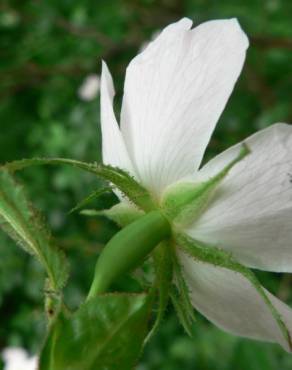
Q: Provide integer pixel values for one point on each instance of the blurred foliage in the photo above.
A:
(47, 50)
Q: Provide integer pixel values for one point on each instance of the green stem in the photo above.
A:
(127, 249)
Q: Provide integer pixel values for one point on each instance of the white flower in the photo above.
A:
(89, 88)
(175, 92)
(16, 358)
(154, 36)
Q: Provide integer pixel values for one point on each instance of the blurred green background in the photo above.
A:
(47, 49)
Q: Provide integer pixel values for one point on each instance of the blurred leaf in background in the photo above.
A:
(48, 51)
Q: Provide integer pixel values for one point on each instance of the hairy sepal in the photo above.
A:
(122, 214)
(180, 298)
(115, 176)
(183, 202)
(221, 258)
(90, 198)
(163, 265)
(24, 224)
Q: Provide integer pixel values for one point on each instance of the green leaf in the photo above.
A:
(22, 222)
(219, 257)
(122, 214)
(91, 197)
(121, 179)
(106, 333)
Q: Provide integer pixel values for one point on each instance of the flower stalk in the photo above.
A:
(127, 249)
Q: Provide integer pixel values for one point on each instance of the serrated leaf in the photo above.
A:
(106, 333)
(23, 223)
(121, 179)
(219, 257)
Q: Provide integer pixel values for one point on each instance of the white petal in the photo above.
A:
(174, 93)
(114, 151)
(251, 212)
(230, 301)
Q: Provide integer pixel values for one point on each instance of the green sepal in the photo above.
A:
(162, 257)
(180, 298)
(24, 224)
(183, 202)
(221, 258)
(119, 178)
(91, 197)
(106, 333)
(122, 214)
